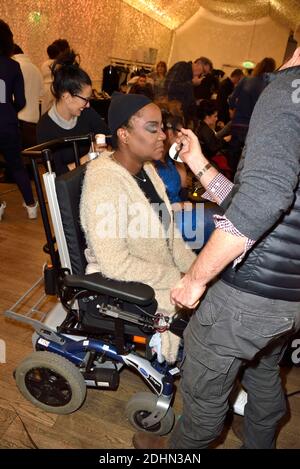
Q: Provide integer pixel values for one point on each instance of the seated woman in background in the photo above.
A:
(174, 176)
(125, 212)
(213, 144)
(71, 114)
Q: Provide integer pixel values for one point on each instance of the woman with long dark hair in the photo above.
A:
(71, 114)
(53, 50)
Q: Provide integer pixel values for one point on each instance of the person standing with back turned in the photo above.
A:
(12, 100)
(246, 316)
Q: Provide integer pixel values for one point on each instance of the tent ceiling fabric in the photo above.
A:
(170, 13)
(173, 13)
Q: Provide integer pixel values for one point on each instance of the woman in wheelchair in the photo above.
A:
(125, 213)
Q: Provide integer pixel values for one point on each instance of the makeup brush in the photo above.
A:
(174, 152)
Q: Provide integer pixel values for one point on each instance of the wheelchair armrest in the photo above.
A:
(133, 292)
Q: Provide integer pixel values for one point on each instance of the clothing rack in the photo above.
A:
(130, 63)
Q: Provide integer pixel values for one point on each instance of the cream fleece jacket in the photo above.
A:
(111, 202)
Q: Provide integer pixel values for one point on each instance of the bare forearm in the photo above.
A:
(221, 249)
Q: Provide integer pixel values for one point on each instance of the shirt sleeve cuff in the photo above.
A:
(218, 189)
(224, 224)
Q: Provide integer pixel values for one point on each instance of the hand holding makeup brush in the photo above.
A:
(188, 150)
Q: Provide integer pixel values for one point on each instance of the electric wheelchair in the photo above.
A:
(103, 320)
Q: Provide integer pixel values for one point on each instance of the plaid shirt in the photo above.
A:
(220, 186)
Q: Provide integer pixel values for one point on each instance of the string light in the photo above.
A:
(34, 17)
(248, 64)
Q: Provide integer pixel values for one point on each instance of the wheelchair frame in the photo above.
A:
(97, 359)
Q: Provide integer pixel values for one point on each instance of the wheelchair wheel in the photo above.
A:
(51, 382)
(140, 406)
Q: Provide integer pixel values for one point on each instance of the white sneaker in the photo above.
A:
(2, 208)
(32, 212)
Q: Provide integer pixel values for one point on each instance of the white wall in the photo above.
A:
(228, 42)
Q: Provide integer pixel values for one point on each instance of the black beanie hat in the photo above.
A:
(122, 107)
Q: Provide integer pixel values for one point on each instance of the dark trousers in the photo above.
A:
(10, 147)
(229, 330)
(28, 134)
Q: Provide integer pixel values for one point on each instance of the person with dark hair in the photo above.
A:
(124, 191)
(138, 83)
(266, 65)
(141, 80)
(17, 50)
(123, 88)
(206, 63)
(241, 103)
(71, 114)
(213, 144)
(245, 282)
(218, 73)
(225, 90)
(179, 85)
(209, 82)
(172, 173)
(52, 51)
(145, 89)
(57, 47)
(12, 100)
(62, 45)
(34, 89)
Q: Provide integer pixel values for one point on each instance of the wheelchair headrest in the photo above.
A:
(68, 190)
